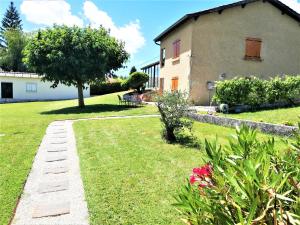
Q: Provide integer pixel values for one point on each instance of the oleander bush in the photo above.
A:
(248, 182)
(255, 92)
(173, 107)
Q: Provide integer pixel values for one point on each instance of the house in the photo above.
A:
(250, 37)
(29, 87)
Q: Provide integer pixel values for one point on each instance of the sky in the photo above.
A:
(136, 22)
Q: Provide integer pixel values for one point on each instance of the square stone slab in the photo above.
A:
(45, 210)
(58, 137)
(58, 132)
(56, 158)
(61, 149)
(56, 170)
(53, 186)
(58, 142)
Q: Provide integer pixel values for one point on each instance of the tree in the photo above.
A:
(137, 81)
(11, 56)
(74, 56)
(11, 20)
(132, 70)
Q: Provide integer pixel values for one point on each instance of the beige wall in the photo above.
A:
(218, 45)
(177, 67)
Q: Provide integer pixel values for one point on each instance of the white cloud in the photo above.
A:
(129, 33)
(293, 4)
(44, 12)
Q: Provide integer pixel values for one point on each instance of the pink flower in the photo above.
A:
(203, 171)
(202, 175)
(193, 179)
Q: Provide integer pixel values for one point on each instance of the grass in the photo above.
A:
(133, 161)
(130, 174)
(288, 116)
(22, 126)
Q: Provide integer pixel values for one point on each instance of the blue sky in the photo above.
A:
(136, 22)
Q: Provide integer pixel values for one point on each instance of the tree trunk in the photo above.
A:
(170, 136)
(80, 94)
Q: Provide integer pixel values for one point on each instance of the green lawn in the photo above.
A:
(131, 179)
(277, 116)
(130, 175)
(22, 126)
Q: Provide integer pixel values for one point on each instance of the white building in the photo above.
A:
(29, 87)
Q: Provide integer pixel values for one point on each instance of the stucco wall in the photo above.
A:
(44, 92)
(177, 67)
(218, 45)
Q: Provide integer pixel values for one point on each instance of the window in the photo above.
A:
(253, 48)
(31, 87)
(174, 86)
(176, 49)
(162, 57)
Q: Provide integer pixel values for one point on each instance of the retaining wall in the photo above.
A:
(230, 122)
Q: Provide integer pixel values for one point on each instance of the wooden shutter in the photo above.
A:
(253, 48)
(174, 86)
(176, 49)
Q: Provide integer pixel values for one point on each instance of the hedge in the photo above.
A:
(102, 88)
(256, 92)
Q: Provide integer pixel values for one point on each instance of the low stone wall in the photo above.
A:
(230, 122)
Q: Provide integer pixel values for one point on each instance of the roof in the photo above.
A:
(278, 4)
(150, 65)
(19, 75)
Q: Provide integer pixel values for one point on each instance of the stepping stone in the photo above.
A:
(58, 132)
(56, 142)
(57, 150)
(56, 158)
(53, 186)
(45, 210)
(56, 170)
(58, 137)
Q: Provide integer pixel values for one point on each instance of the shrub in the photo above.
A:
(137, 81)
(247, 182)
(255, 92)
(101, 88)
(173, 107)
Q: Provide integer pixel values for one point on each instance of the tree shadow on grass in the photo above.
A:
(98, 108)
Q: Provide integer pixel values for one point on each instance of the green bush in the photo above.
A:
(255, 92)
(136, 81)
(173, 107)
(248, 182)
(101, 88)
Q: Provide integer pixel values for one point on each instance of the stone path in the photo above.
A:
(53, 193)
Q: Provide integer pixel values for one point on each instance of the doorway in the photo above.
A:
(6, 90)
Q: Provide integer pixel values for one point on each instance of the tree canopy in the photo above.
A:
(11, 56)
(137, 81)
(11, 20)
(74, 56)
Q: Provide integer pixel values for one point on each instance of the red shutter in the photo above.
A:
(176, 49)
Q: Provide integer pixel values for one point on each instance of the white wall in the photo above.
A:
(44, 92)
